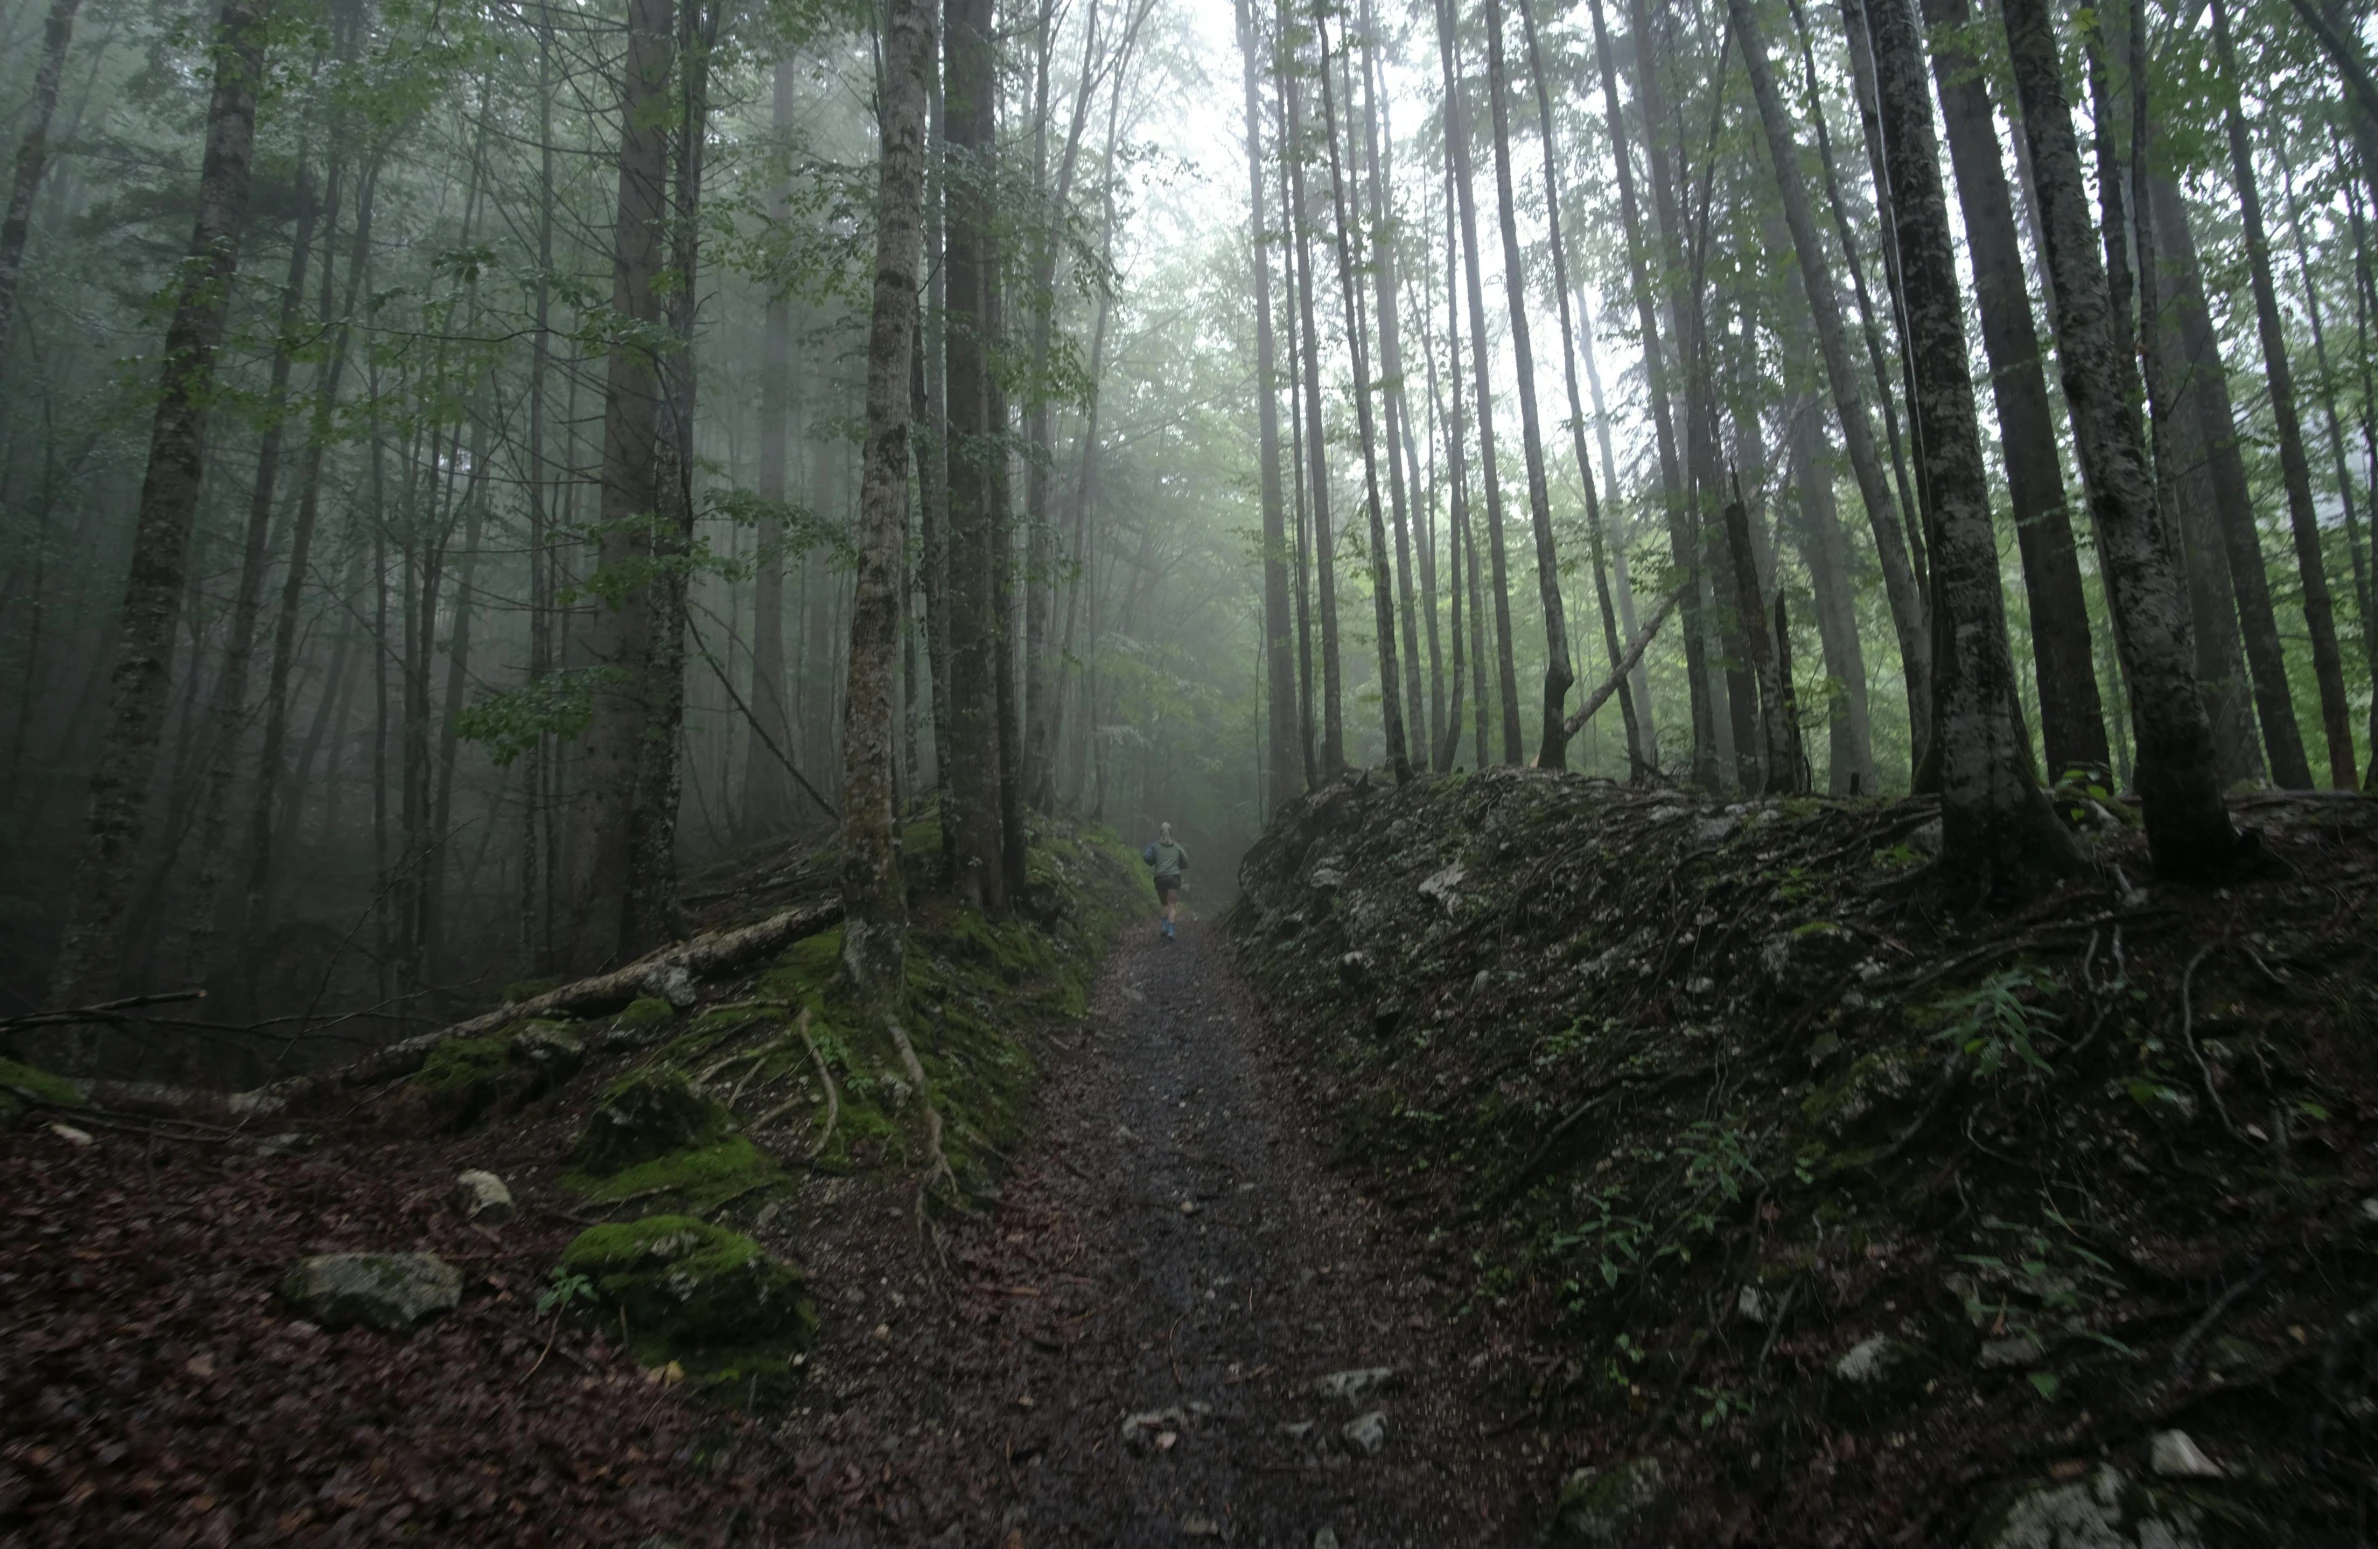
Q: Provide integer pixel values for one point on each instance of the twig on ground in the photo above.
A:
(2188, 1035)
(2185, 1349)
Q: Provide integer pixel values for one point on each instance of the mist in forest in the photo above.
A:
(467, 475)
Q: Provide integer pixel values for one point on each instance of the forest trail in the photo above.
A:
(1171, 1250)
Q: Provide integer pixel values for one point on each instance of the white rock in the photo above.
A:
(672, 984)
(2176, 1456)
(387, 1291)
(1325, 1538)
(1366, 1433)
(2369, 1209)
(481, 1196)
(71, 1135)
(1439, 885)
(1865, 1360)
(1750, 1305)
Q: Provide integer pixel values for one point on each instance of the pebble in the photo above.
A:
(2175, 1455)
(1366, 1433)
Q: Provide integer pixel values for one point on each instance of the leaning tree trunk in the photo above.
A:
(874, 904)
(1816, 274)
(141, 683)
(766, 790)
(1279, 643)
(1457, 150)
(1998, 832)
(2295, 469)
(2188, 826)
(2072, 722)
(1552, 750)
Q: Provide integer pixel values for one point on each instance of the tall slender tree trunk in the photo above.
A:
(1457, 150)
(1278, 628)
(2202, 392)
(1998, 831)
(1324, 546)
(1585, 467)
(1908, 613)
(874, 903)
(16, 225)
(767, 795)
(970, 87)
(2072, 722)
(1552, 751)
(140, 685)
(1291, 268)
(2295, 469)
(1655, 371)
(2188, 825)
(1391, 706)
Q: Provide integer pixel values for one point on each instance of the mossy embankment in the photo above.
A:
(1760, 1156)
(715, 1127)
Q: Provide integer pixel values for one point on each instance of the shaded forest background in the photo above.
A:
(1298, 388)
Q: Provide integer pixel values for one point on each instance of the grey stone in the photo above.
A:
(673, 984)
(1868, 1361)
(1612, 1506)
(1716, 830)
(1366, 1433)
(1325, 1538)
(2018, 1350)
(481, 1196)
(288, 1143)
(387, 1291)
(1750, 1306)
(2174, 1455)
(1354, 1382)
(2104, 1511)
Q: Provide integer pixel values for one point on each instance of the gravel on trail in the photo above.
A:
(1133, 1346)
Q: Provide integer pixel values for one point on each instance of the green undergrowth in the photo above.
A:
(1703, 1096)
(713, 1301)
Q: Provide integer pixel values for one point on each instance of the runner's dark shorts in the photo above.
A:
(1167, 889)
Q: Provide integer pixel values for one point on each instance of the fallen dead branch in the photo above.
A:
(666, 974)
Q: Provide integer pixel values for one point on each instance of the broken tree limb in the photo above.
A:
(666, 974)
(1601, 696)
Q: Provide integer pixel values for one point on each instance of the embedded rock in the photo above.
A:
(642, 1118)
(1620, 1505)
(687, 1286)
(390, 1292)
(481, 1196)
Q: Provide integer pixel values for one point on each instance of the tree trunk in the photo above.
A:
(140, 684)
(2188, 826)
(1585, 467)
(1291, 262)
(57, 34)
(1324, 545)
(969, 86)
(2295, 469)
(1779, 734)
(1655, 371)
(2072, 722)
(766, 793)
(625, 699)
(1552, 751)
(1457, 150)
(1391, 707)
(874, 903)
(1999, 834)
(1279, 643)
(1816, 274)
(2202, 391)
(1403, 492)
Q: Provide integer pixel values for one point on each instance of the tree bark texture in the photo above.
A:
(1324, 543)
(140, 684)
(2188, 826)
(874, 903)
(2072, 722)
(1998, 831)
(767, 795)
(1279, 637)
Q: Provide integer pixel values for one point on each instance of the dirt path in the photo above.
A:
(1126, 1350)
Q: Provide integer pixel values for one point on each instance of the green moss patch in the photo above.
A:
(699, 1179)
(646, 1014)
(643, 1117)
(39, 1082)
(700, 1295)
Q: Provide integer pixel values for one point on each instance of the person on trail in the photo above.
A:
(1170, 860)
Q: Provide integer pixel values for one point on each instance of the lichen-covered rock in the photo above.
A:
(390, 1292)
(1611, 1508)
(644, 1117)
(689, 1287)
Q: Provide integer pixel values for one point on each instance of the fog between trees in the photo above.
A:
(466, 474)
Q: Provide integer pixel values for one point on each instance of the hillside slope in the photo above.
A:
(1810, 1208)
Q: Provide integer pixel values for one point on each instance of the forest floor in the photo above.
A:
(1143, 1325)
